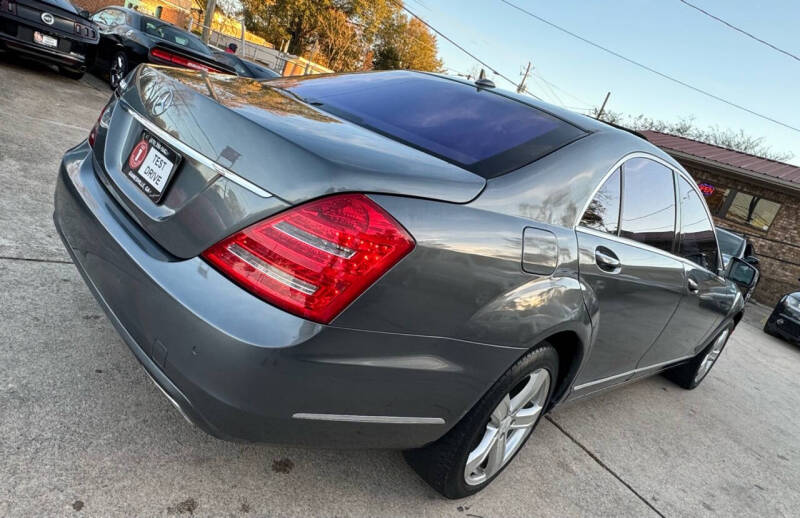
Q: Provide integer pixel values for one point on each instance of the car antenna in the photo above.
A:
(483, 82)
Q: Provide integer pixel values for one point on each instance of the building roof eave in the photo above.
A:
(765, 179)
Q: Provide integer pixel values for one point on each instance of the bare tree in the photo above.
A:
(736, 140)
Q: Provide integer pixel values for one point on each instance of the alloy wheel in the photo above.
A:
(509, 425)
(711, 356)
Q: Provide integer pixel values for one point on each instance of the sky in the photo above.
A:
(664, 34)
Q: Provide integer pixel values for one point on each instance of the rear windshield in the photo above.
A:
(174, 35)
(231, 61)
(476, 129)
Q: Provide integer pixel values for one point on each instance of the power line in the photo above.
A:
(737, 29)
(550, 83)
(459, 47)
(652, 70)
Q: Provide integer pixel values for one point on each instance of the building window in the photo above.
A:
(740, 207)
(752, 210)
(716, 200)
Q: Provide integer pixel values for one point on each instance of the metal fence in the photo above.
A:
(280, 62)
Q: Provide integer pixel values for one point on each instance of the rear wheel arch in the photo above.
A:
(570, 351)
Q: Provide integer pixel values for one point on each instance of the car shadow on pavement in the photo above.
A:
(25, 65)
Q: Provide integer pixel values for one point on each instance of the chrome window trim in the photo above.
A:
(196, 155)
(686, 176)
(378, 419)
(628, 241)
(617, 165)
(633, 372)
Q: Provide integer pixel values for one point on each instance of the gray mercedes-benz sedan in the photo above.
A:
(390, 259)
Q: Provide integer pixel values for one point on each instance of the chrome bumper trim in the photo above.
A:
(186, 150)
(382, 419)
(170, 398)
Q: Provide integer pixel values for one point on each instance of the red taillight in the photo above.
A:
(96, 127)
(313, 260)
(169, 57)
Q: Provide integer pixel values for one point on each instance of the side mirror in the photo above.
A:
(742, 273)
(751, 259)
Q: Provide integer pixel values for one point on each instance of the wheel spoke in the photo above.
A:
(711, 356)
(501, 411)
(531, 390)
(510, 423)
(496, 455)
(526, 417)
(482, 450)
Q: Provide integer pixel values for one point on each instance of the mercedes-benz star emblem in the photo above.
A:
(162, 102)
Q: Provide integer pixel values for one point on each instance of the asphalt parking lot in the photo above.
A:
(84, 432)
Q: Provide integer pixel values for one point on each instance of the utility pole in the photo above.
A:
(521, 86)
(242, 52)
(603, 107)
(211, 6)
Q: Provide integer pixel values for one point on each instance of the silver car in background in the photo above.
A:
(392, 260)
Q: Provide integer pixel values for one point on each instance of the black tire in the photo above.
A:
(70, 73)
(688, 375)
(117, 69)
(442, 463)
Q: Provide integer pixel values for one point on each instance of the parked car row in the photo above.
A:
(112, 41)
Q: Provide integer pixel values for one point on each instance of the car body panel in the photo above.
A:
(640, 297)
(292, 151)
(295, 366)
(696, 318)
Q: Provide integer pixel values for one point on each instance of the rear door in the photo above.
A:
(707, 297)
(633, 283)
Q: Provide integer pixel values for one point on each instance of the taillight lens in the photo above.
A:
(177, 59)
(314, 259)
(102, 122)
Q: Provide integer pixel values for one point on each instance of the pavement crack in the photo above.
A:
(604, 466)
(34, 260)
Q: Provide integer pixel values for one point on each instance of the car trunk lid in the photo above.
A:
(253, 150)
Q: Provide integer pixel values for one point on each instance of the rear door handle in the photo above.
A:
(692, 285)
(606, 259)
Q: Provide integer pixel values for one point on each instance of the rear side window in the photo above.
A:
(474, 128)
(603, 211)
(698, 243)
(648, 203)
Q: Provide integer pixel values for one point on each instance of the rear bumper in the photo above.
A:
(242, 369)
(42, 53)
